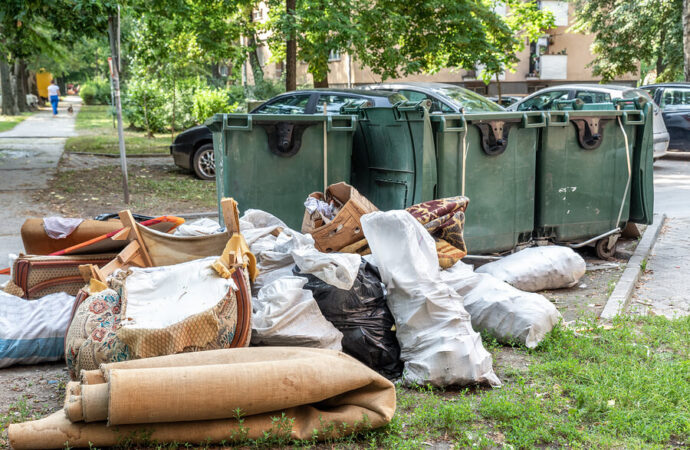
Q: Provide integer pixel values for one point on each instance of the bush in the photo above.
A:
(96, 92)
(145, 105)
(208, 102)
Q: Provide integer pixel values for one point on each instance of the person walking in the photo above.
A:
(53, 95)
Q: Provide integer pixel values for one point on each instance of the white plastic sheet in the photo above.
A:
(199, 227)
(158, 297)
(337, 269)
(507, 313)
(33, 331)
(537, 268)
(285, 314)
(438, 344)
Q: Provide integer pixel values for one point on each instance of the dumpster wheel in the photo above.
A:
(606, 248)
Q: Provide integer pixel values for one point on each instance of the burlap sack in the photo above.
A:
(318, 391)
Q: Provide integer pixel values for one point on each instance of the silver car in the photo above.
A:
(544, 99)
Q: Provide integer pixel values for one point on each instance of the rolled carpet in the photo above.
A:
(309, 391)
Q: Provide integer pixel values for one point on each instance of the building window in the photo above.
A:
(334, 55)
(559, 11)
(257, 15)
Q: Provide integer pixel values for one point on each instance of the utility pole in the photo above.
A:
(114, 34)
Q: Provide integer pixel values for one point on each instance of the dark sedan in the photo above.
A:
(193, 148)
(674, 101)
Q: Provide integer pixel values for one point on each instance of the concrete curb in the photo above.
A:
(115, 155)
(618, 300)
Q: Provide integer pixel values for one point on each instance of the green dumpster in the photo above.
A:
(273, 162)
(393, 161)
(642, 186)
(584, 174)
(490, 158)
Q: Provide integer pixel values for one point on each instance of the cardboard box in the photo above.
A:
(345, 228)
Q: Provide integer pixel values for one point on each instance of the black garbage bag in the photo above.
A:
(363, 317)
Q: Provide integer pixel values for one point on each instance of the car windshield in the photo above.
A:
(472, 102)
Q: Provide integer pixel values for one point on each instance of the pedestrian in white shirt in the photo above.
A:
(53, 95)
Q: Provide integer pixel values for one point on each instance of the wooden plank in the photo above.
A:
(128, 221)
(231, 215)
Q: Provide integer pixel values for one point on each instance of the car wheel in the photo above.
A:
(204, 163)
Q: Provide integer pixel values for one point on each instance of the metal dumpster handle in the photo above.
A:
(351, 127)
(590, 131)
(494, 135)
(246, 127)
(628, 121)
(412, 106)
(445, 128)
(407, 106)
(550, 122)
(526, 123)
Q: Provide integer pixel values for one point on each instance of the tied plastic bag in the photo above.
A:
(507, 313)
(437, 342)
(272, 243)
(537, 268)
(285, 314)
(363, 317)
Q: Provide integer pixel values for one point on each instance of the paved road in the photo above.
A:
(665, 287)
(29, 155)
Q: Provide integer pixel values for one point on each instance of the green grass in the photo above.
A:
(625, 387)
(94, 123)
(9, 122)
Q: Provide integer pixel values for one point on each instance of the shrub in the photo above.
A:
(145, 105)
(96, 92)
(208, 102)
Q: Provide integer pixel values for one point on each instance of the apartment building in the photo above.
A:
(558, 57)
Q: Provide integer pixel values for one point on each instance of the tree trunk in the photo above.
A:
(257, 70)
(323, 83)
(498, 86)
(660, 66)
(8, 102)
(686, 38)
(20, 85)
(291, 51)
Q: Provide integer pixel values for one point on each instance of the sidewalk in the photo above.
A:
(664, 288)
(29, 155)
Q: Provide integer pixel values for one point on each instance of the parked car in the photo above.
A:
(506, 100)
(193, 148)
(545, 99)
(674, 101)
(445, 98)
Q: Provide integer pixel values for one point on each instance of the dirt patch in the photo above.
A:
(88, 186)
(30, 392)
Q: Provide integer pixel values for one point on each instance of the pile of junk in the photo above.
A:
(210, 332)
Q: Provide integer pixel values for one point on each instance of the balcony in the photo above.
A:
(553, 67)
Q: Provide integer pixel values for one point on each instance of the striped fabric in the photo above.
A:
(33, 331)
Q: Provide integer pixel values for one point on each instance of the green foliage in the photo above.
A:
(395, 37)
(208, 102)
(630, 33)
(145, 105)
(95, 92)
